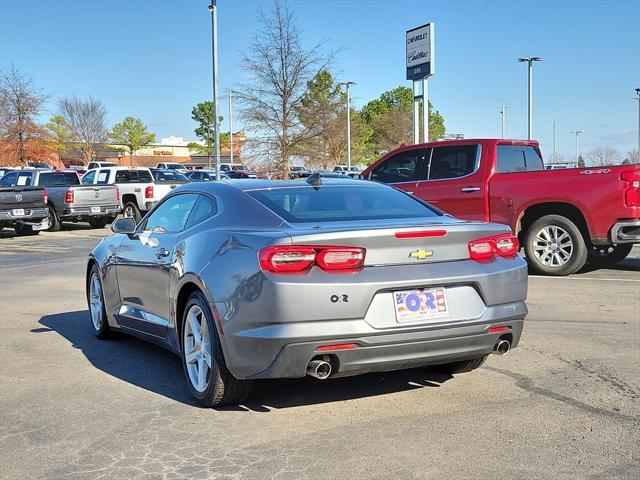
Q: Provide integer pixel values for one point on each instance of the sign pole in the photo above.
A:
(425, 110)
(416, 113)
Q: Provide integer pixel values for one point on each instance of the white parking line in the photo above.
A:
(587, 278)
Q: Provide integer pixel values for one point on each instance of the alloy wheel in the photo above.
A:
(197, 348)
(553, 246)
(95, 302)
(128, 211)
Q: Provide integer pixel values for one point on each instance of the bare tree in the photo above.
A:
(86, 119)
(279, 68)
(20, 104)
(633, 156)
(602, 156)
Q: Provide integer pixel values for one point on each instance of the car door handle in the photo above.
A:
(163, 252)
(469, 189)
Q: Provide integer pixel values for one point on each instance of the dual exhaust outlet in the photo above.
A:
(321, 369)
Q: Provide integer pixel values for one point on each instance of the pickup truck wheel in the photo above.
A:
(131, 210)
(98, 222)
(54, 223)
(604, 255)
(554, 246)
(24, 230)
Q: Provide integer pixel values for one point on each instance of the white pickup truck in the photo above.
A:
(138, 190)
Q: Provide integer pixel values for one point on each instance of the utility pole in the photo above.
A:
(577, 133)
(503, 114)
(638, 93)
(529, 61)
(347, 84)
(555, 158)
(214, 53)
(230, 128)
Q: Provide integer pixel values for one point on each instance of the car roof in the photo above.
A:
(247, 185)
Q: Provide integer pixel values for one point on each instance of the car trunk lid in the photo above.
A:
(96, 195)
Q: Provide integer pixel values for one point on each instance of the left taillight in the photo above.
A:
(486, 249)
(117, 195)
(300, 258)
(148, 192)
(70, 196)
(632, 189)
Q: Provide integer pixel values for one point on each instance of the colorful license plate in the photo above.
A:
(18, 212)
(420, 305)
(95, 209)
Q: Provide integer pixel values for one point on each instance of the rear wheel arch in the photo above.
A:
(130, 197)
(185, 289)
(533, 212)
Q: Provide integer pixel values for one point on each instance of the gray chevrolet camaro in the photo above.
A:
(256, 279)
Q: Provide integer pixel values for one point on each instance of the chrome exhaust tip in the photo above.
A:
(319, 369)
(502, 347)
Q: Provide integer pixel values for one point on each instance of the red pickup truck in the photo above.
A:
(563, 218)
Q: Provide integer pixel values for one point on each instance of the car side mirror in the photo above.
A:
(126, 225)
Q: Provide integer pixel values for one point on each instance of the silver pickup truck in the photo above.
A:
(67, 199)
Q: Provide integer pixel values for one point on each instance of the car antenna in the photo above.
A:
(315, 180)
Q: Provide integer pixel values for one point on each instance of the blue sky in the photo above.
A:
(152, 59)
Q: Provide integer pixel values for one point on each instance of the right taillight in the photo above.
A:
(632, 189)
(300, 258)
(486, 249)
(44, 197)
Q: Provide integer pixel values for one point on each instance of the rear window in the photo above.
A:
(341, 203)
(133, 176)
(58, 179)
(516, 158)
(168, 176)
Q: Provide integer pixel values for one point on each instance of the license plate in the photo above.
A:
(43, 225)
(420, 305)
(95, 209)
(18, 212)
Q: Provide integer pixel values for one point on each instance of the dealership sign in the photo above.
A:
(420, 52)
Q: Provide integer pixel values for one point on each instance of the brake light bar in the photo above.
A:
(70, 196)
(486, 249)
(300, 258)
(421, 234)
(632, 191)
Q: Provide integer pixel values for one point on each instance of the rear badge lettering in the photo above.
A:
(339, 298)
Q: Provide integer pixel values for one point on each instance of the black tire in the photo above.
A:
(103, 331)
(54, 222)
(577, 256)
(462, 366)
(25, 230)
(600, 256)
(98, 222)
(222, 388)
(130, 209)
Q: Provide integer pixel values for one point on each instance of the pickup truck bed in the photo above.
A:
(563, 218)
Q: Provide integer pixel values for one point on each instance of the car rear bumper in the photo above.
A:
(626, 232)
(394, 351)
(87, 212)
(30, 214)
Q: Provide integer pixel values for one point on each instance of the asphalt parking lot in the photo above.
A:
(566, 404)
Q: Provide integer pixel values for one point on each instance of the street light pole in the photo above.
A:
(214, 52)
(503, 114)
(347, 84)
(230, 128)
(638, 93)
(529, 61)
(577, 133)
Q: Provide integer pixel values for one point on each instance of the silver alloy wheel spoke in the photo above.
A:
(95, 302)
(553, 246)
(197, 348)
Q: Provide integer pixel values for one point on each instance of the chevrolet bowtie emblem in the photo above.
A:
(421, 254)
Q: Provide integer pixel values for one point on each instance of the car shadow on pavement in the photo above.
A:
(628, 264)
(155, 369)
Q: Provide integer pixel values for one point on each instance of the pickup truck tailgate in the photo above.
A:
(95, 195)
(21, 197)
